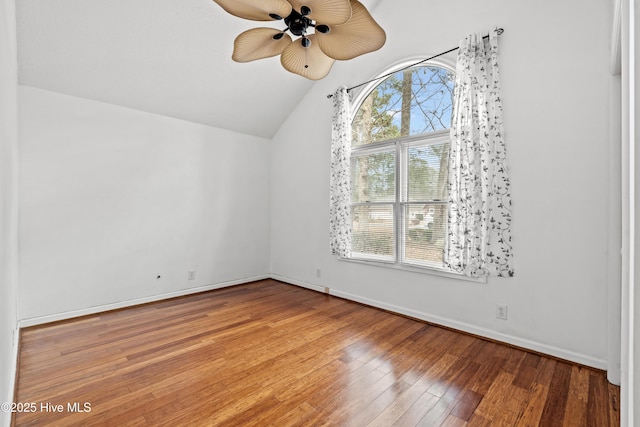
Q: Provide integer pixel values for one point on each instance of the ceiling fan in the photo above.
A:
(323, 31)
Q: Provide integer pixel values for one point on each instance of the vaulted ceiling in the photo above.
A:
(161, 56)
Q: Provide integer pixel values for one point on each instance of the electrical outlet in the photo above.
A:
(318, 273)
(191, 275)
(501, 311)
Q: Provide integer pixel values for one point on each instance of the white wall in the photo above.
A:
(634, 104)
(630, 325)
(555, 74)
(8, 202)
(111, 198)
(614, 204)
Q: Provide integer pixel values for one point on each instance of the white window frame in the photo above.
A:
(400, 145)
(403, 144)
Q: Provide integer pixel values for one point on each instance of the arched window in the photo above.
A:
(399, 157)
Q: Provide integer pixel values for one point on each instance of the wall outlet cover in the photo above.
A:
(501, 311)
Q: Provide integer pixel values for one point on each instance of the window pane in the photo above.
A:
(409, 102)
(431, 100)
(427, 172)
(372, 231)
(424, 233)
(374, 120)
(373, 178)
(399, 167)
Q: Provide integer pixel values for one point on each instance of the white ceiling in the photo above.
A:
(167, 57)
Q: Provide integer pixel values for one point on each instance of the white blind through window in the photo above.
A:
(399, 162)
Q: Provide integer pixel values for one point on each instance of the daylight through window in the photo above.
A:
(399, 158)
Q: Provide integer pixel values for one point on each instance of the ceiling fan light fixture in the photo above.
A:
(324, 31)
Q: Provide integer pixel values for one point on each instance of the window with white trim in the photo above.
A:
(399, 157)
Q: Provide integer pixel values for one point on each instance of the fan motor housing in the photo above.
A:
(297, 23)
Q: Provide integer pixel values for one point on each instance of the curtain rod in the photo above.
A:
(498, 30)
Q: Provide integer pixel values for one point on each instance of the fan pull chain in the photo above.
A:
(306, 43)
(306, 58)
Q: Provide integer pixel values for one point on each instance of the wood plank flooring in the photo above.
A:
(271, 354)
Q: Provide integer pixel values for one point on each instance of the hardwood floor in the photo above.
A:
(271, 354)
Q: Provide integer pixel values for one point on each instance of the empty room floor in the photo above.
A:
(272, 354)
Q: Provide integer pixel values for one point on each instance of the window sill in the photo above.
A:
(433, 271)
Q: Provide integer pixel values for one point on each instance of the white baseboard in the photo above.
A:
(427, 317)
(34, 321)
(560, 353)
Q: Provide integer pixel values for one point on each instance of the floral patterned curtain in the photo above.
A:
(340, 190)
(479, 223)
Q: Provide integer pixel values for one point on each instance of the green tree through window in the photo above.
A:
(399, 168)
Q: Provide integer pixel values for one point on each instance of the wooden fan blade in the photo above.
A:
(360, 35)
(256, 10)
(328, 12)
(259, 43)
(309, 62)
